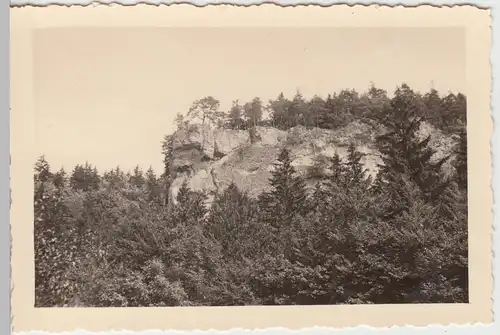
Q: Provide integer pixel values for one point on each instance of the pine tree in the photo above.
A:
(288, 194)
(316, 171)
(279, 111)
(231, 222)
(404, 153)
(432, 102)
(297, 110)
(253, 112)
(137, 179)
(77, 179)
(316, 111)
(315, 201)
(165, 177)
(349, 100)
(42, 170)
(190, 208)
(59, 179)
(180, 123)
(453, 112)
(235, 116)
(85, 178)
(206, 110)
(377, 104)
(337, 170)
(167, 150)
(336, 115)
(153, 186)
(356, 173)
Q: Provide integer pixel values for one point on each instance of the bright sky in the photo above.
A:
(109, 95)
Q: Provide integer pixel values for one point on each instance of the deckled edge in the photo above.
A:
(441, 328)
(205, 3)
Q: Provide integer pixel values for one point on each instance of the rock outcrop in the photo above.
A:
(211, 159)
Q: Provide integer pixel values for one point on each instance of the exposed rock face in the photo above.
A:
(211, 159)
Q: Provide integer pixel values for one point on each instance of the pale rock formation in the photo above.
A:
(211, 159)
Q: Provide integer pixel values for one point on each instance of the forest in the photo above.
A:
(115, 239)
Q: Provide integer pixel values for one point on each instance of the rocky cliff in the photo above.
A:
(211, 159)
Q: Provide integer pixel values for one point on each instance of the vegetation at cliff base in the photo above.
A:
(116, 239)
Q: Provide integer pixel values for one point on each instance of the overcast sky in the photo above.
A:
(108, 96)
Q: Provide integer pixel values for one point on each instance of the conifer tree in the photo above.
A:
(349, 101)
(206, 110)
(235, 116)
(253, 112)
(297, 110)
(432, 102)
(77, 179)
(404, 153)
(59, 179)
(85, 178)
(231, 222)
(337, 172)
(337, 114)
(279, 110)
(180, 123)
(288, 194)
(153, 186)
(315, 112)
(453, 112)
(167, 150)
(190, 208)
(42, 170)
(137, 179)
(356, 173)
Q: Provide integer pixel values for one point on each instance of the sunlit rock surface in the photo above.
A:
(211, 159)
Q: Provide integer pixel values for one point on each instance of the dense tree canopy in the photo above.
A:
(112, 239)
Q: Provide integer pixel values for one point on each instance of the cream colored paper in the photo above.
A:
(27, 135)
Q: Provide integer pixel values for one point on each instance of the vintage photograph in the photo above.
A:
(204, 166)
(332, 178)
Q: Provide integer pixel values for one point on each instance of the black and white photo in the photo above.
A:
(224, 165)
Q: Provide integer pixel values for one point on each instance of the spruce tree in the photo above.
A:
(432, 102)
(288, 194)
(167, 151)
(404, 153)
(59, 179)
(77, 179)
(190, 208)
(337, 175)
(231, 223)
(297, 110)
(152, 186)
(355, 171)
(85, 178)
(42, 170)
(137, 179)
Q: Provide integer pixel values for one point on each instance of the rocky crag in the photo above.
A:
(211, 159)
